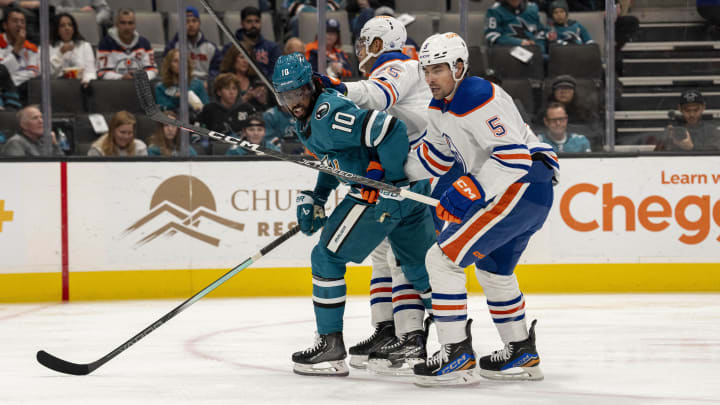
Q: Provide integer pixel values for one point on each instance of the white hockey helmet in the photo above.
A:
(388, 29)
(445, 48)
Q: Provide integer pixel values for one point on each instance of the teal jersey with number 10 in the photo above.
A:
(348, 137)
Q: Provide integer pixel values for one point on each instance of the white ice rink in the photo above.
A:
(595, 349)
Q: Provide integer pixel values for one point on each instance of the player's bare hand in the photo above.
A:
(527, 42)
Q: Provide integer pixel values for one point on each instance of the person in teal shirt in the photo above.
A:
(363, 142)
(167, 92)
(556, 121)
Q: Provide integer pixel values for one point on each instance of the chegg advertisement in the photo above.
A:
(654, 209)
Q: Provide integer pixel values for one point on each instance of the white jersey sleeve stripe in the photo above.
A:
(385, 92)
(432, 163)
(383, 130)
(368, 127)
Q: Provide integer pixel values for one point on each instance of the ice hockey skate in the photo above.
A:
(384, 334)
(453, 364)
(399, 356)
(516, 361)
(325, 358)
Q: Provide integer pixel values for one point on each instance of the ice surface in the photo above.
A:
(595, 349)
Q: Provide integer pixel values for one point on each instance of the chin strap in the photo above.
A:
(361, 65)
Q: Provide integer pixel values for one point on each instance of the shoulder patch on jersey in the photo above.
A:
(473, 93)
(322, 111)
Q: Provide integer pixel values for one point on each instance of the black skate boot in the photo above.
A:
(384, 334)
(516, 361)
(453, 364)
(326, 357)
(399, 356)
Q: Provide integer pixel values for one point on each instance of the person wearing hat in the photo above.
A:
(205, 55)
(253, 131)
(562, 29)
(337, 62)
(263, 52)
(690, 132)
(580, 114)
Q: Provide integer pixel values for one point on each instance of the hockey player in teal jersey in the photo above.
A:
(514, 22)
(364, 142)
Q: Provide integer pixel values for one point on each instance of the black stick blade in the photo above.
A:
(62, 366)
(144, 92)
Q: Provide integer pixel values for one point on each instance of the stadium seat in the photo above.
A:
(478, 61)
(408, 6)
(308, 25)
(84, 135)
(420, 29)
(521, 89)
(150, 25)
(473, 5)
(594, 22)
(232, 5)
(508, 67)
(67, 95)
(135, 5)
(170, 6)
(113, 95)
(476, 34)
(579, 61)
(232, 20)
(207, 25)
(8, 123)
(87, 26)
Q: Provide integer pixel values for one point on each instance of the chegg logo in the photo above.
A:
(651, 212)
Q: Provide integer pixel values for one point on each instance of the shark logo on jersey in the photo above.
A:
(521, 30)
(322, 111)
(455, 152)
(571, 37)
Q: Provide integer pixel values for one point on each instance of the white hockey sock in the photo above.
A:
(408, 308)
(381, 307)
(506, 305)
(449, 296)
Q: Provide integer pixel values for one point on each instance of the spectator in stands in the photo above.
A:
(31, 10)
(20, 56)
(234, 62)
(205, 55)
(225, 115)
(563, 92)
(9, 97)
(295, 7)
(364, 10)
(280, 128)
(337, 62)
(253, 131)
(690, 132)
(263, 52)
(103, 14)
(557, 136)
(123, 50)
(30, 142)
(514, 22)
(120, 138)
(71, 56)
(562, 29)
(165, 140)
(167, 92)
(258, 96)
(294, 45)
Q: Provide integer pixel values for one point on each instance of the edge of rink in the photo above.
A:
(296, 281)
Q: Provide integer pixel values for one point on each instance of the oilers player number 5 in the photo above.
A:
(496, 126)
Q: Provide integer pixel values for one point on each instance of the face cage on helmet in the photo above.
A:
(295, 96)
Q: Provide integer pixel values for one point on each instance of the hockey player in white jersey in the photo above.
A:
(396, 86)
(502, 199)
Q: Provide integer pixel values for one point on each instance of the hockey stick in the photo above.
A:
(64, 366)
(147, 103)
(224, 28)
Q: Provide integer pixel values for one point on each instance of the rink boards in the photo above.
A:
(114, 230)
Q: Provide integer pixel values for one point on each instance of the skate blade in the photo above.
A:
(386, 367)
(456, 378)
(516, 374)
(358, 361)
(327, 368)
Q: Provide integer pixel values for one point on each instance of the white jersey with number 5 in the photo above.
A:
(395, 86)
(482, 129)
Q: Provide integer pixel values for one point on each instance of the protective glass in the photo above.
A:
(293, 97)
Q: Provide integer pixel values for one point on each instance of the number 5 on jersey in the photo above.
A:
(497, 128)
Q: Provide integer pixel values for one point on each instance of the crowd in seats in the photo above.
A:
(224, 91)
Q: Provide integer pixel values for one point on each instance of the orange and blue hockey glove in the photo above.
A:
(457, 200)
(376, 172)
(331, 83)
